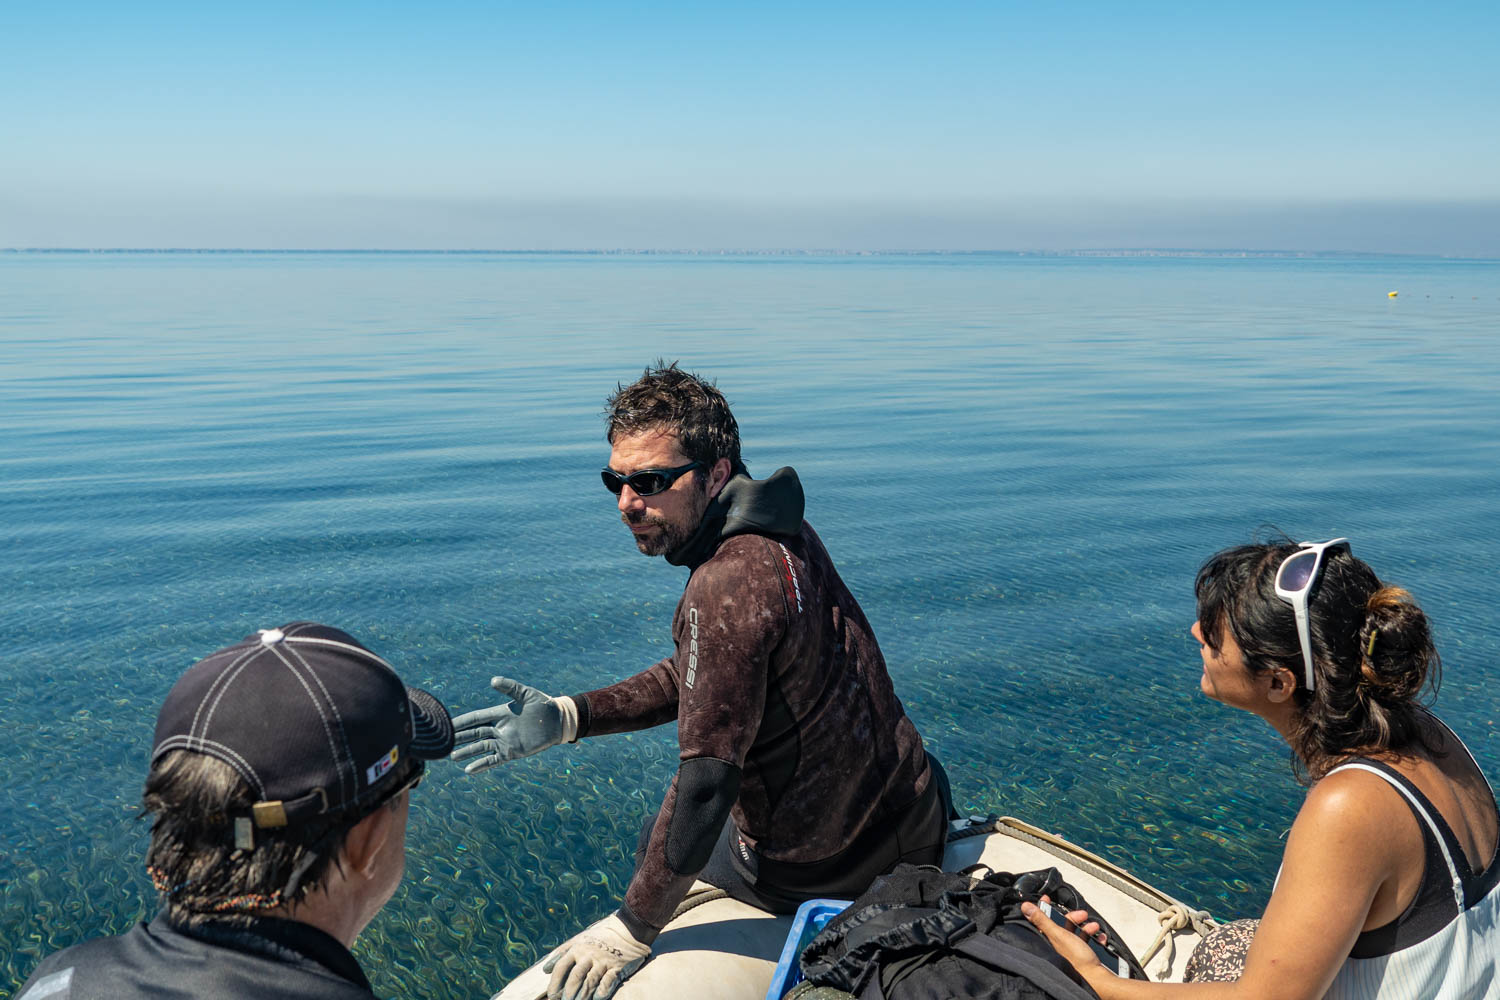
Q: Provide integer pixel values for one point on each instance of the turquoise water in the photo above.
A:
(1017, 462)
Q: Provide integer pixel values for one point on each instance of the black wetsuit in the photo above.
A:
(787, 722)
(271, 959)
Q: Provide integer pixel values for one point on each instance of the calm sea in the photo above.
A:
(1017, 462)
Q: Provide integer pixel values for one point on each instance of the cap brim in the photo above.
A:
(432, 729)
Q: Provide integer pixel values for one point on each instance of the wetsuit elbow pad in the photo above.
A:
(706, 790)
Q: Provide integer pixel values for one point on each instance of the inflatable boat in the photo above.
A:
(716, 948)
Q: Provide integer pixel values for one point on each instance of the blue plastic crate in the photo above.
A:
(811, 917)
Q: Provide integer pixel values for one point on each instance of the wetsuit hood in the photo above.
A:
(770, 506)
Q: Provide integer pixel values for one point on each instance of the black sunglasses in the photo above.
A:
(647, 482)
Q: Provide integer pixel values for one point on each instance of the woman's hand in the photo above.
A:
(1068, 944)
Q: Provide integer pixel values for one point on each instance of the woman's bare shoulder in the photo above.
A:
(1355, 809)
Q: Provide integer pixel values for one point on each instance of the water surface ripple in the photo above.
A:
(1018, 464)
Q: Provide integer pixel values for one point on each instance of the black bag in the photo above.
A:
(924, 934)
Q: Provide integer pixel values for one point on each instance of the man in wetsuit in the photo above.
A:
(801, 775)
(280, 785)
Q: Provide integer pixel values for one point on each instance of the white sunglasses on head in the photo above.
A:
(1295, 582)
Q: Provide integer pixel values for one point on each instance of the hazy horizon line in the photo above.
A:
(1123, 251)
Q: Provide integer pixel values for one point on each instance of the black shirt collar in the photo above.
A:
(280, 939)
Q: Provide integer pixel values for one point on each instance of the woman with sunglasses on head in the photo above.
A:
(1388, 887)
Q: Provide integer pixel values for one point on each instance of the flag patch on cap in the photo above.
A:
(377, 770)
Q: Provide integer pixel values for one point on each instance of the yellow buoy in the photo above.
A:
(1390, 295)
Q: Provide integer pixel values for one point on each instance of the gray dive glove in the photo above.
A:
(529, 723)
(593, 964)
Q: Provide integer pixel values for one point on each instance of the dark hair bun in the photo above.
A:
(1396, 651)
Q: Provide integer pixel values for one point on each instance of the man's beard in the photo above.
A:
(671, 536)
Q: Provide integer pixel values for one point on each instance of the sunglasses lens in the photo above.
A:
(648, 484)
(613, 481)
(1297, 571)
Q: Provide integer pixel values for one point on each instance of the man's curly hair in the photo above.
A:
(667, 398)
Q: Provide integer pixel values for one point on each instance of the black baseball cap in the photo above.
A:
(316, 723)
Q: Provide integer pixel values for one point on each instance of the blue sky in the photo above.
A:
(1001, 125)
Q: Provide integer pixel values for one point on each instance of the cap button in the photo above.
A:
(271, 636)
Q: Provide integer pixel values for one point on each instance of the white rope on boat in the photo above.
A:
(1175, 918)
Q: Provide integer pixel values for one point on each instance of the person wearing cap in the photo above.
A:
(800, 774)
(279, 788)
